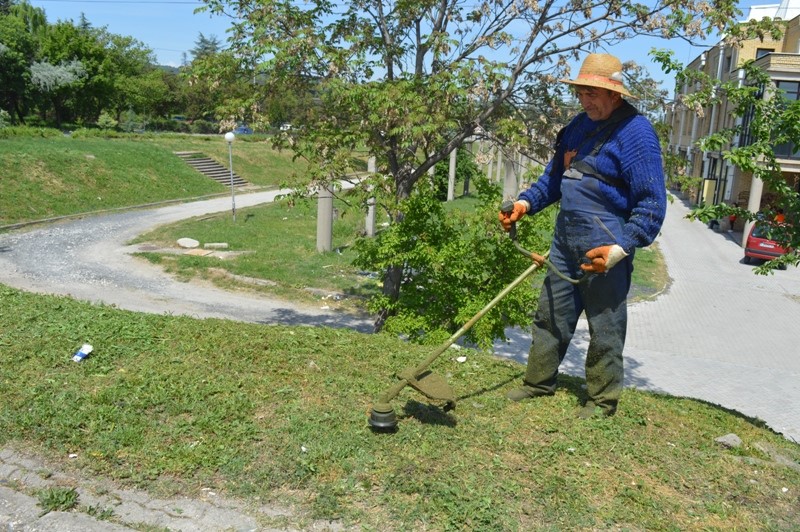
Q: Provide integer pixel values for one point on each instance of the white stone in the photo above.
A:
(188, 243)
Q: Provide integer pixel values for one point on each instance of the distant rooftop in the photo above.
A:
(786, 10)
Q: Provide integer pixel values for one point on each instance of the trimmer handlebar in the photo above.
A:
(508, 206)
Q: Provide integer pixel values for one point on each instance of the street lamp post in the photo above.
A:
(229, 136)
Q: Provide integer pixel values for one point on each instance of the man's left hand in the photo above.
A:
(603, 258)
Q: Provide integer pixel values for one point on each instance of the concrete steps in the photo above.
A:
(211, 168)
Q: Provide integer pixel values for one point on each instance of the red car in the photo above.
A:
(760, 246)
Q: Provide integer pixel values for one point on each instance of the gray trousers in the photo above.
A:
(603, 298)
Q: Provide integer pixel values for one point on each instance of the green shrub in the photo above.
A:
(167, 124)
(204, 127)
(454, 263)
(106, 121)
(26, 131)
(94, 133)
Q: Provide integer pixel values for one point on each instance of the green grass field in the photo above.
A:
(57, 176)
(271, 413)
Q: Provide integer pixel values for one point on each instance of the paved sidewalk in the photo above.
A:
(720, 333)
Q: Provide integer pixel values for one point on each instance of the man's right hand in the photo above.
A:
(515, 214)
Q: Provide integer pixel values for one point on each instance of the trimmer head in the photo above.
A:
(382, 418)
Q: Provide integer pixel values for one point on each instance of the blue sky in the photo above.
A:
(170, 28)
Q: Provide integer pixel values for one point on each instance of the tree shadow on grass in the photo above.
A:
(287, 316)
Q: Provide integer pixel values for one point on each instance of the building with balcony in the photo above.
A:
(722, 182)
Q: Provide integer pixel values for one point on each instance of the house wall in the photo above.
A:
(782, 64)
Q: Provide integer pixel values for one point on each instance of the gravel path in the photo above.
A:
(89, 259)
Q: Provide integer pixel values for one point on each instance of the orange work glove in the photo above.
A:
(603, 258)
(507, 218)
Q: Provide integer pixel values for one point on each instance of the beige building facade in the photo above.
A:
(722, 182)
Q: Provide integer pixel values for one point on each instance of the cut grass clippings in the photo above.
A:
(272, 413)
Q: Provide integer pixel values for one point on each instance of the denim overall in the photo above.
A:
(586, 221)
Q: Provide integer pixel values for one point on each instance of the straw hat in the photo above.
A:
(600, 70)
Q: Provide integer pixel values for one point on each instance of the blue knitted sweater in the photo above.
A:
(633, 154)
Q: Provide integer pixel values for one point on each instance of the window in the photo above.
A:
(790, 89)
(746, 136)
(761, 52)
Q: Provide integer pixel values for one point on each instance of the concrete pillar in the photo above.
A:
(489, 172)
(451, 176)
(753, 204)
(369, 224)
(500, 163)
(324, 219)
(510, 182)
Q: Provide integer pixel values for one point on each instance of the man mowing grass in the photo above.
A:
(607, 173)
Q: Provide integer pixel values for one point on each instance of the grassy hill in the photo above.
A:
(271, 413)
(43, 177)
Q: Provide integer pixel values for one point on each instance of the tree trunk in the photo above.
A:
(393, 276)
(392, 279)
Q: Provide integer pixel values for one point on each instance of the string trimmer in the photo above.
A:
(382, 417)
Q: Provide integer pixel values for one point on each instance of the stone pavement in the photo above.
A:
(720, 333)
(23, 476)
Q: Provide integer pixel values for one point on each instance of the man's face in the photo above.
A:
(598, 103)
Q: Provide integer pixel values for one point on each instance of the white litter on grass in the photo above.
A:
(461, 359)
(785, 490)
(82, 353)
(73, 455)
(303, 449)
(324, 307)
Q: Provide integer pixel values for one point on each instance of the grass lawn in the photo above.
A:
(278, 244)
(270, 413)
(253, 156)
(56, 176)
